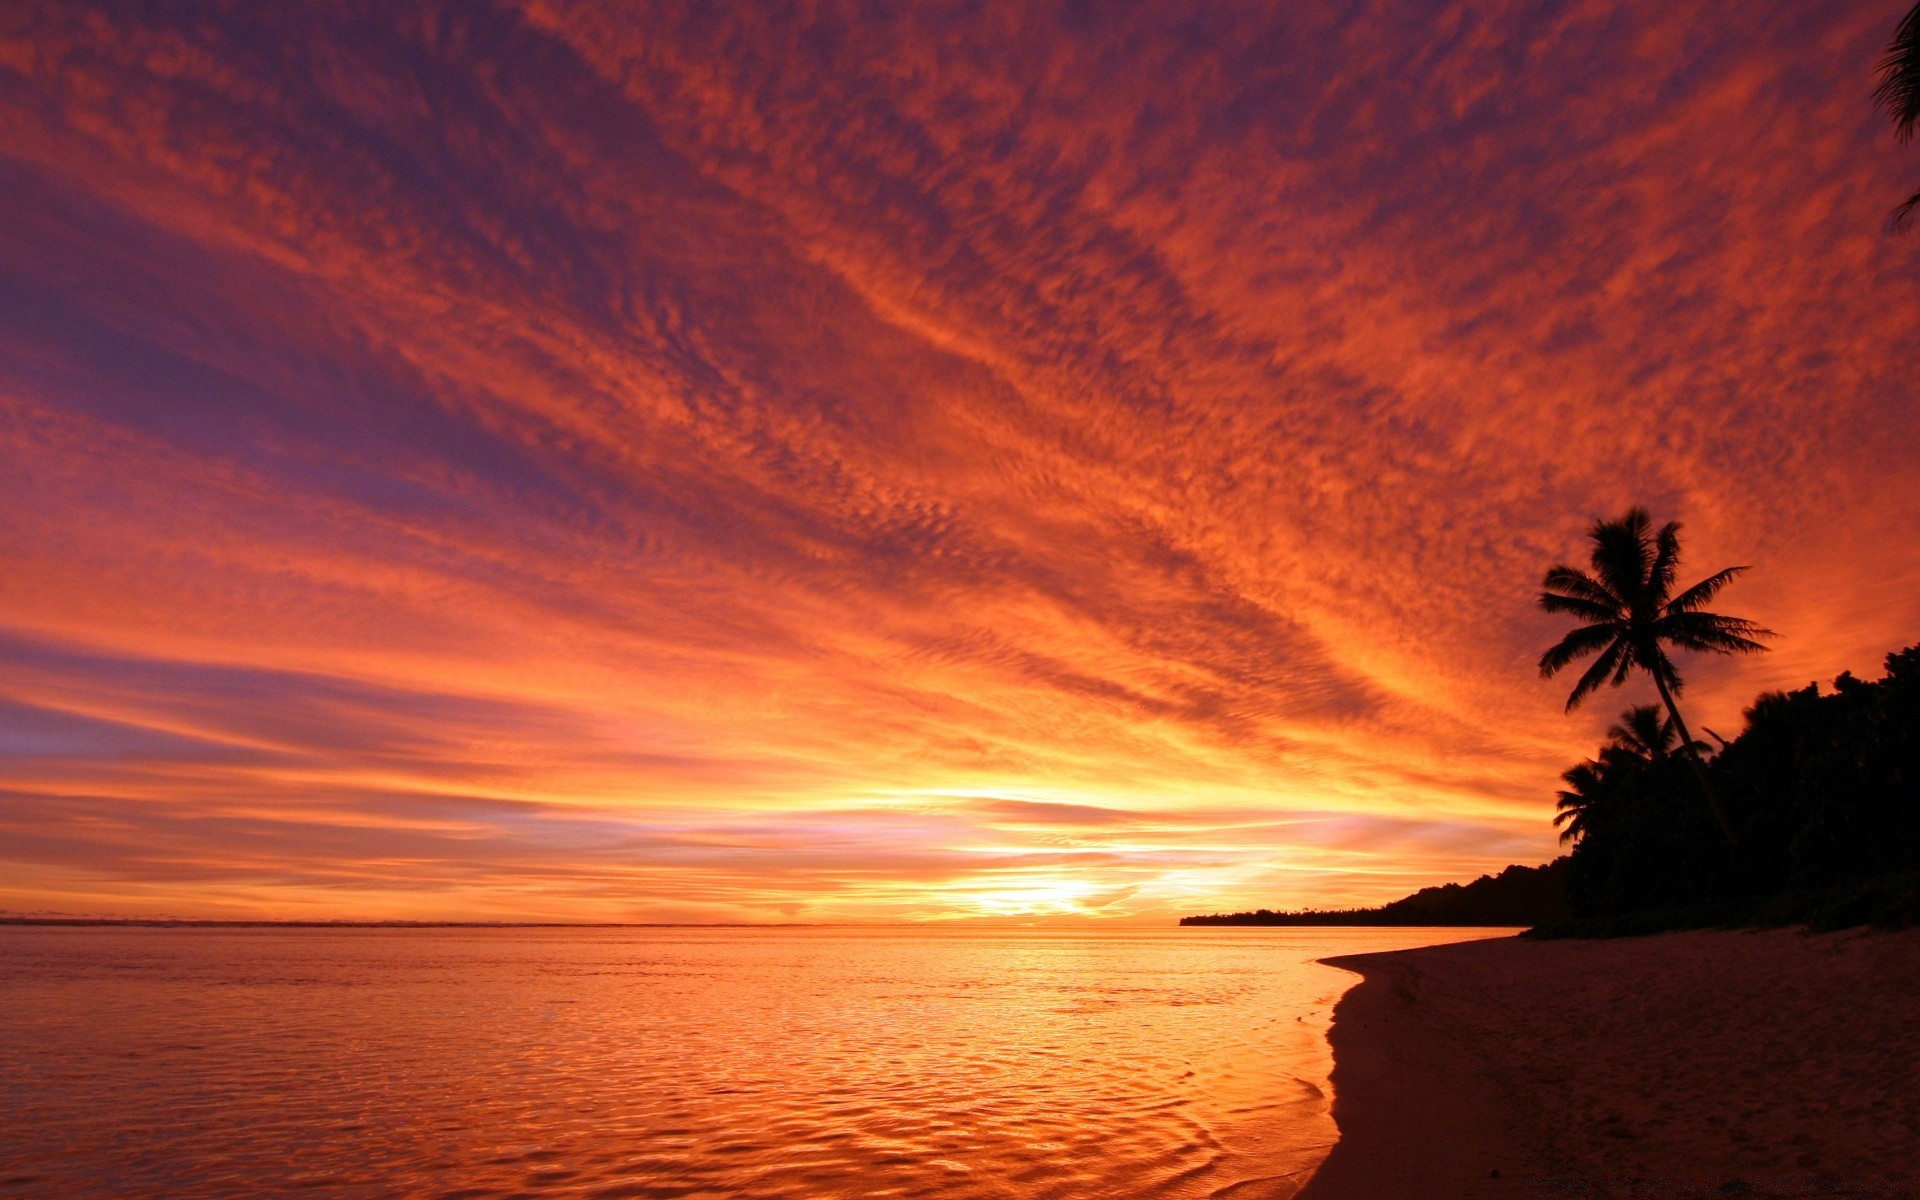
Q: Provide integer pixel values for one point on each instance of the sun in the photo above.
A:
(1036, 896)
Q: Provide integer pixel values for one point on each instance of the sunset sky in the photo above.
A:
(696, 462)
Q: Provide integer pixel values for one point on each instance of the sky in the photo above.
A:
(881, 462)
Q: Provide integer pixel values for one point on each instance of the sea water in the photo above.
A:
(653, 1062)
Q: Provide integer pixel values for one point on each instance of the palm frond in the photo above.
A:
(1719, 643)
(1666, 561)
(1588, 639)
(1622, 553)
(1703, 591)
(1575, 806)
(1578, 585)
(1582, 778)
(1634, 657)
(1643, 732)
(1898, 93)
(1583, 784)
(1713, 633)
(1635, 521)
(1901, 218)
(1611, 661)
(1590, 611)
(1576, 824)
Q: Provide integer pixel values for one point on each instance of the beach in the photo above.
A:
(1719, 1063)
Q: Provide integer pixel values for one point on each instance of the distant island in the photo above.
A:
(1517, 896)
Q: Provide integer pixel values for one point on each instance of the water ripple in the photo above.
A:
(470, 1064)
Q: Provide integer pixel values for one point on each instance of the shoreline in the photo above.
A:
(1769, 1063)
(1419, 1115)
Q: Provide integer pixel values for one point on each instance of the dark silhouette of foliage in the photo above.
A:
(1581, 803)
(1629, 615)
(1642, 740)
(1645, 735)
(1898, 95)
(1516, 896)
(1824, 789)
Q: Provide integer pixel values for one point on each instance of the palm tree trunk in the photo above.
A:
(1693, 760)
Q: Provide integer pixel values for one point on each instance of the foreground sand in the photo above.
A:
(1703, 1064)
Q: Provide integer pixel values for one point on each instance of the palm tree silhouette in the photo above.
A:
(1642, 739)
(1644, 734)
(1899, 95)
(1586, 785)
(1629, 615)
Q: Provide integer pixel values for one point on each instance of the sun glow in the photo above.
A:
(1033, 896)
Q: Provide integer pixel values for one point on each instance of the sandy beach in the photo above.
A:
(1701, 1064)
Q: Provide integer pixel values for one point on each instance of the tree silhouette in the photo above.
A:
(1582, 797)
(1629, 616)
(1641, 740)
(1899, 95)
(1644, 734)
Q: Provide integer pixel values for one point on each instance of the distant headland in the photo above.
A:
(1517, 896)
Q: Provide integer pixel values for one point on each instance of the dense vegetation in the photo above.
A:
(1821, 787)
(1823, 793)
(1516, 896)
(1811, 814)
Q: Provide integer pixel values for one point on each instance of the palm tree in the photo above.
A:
(1629, 616)
(1586, 784)
(1641, 740)
(1643, 734)
(1899, 95)
(1646, 736)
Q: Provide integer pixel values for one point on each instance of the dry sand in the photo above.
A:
(1702, 1064)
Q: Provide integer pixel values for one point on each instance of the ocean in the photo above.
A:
(668, 1062)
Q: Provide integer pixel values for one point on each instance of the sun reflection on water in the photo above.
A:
(825, 1062)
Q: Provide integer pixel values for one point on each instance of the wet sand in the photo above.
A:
(1702, 1064)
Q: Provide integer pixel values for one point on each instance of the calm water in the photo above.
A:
(667, 1062)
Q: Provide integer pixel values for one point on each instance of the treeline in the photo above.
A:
(1822, 789)
(1517, 896)
(1823, 792)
